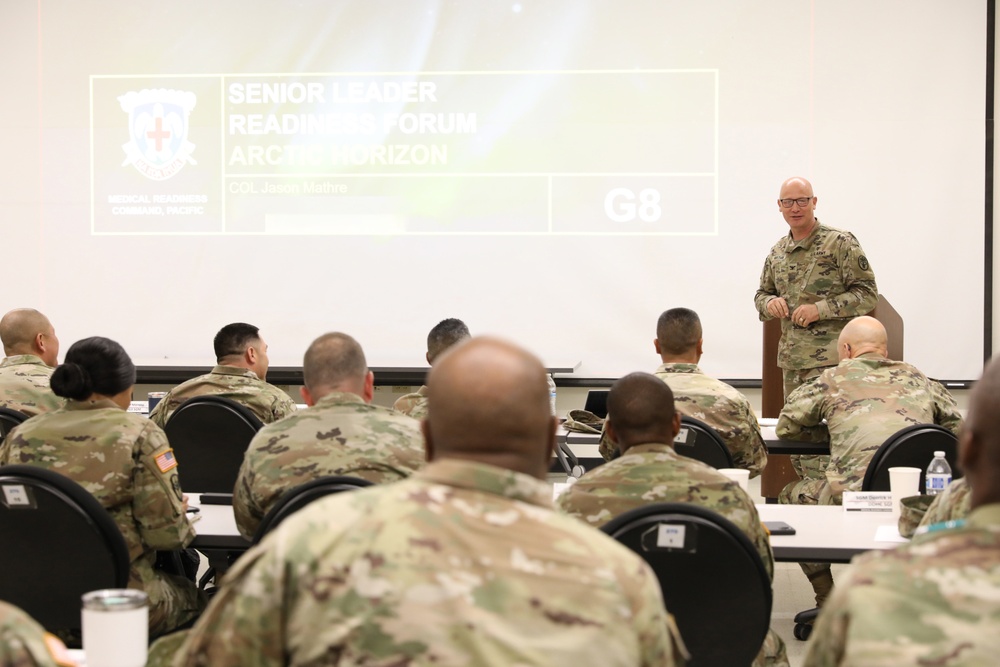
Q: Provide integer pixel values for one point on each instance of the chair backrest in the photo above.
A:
(210, 435)
(58, 543)
(697, 440)
(912, 446)
(295, 499)
(9, 418)
(711, 576)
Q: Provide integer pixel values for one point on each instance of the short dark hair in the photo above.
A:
(445, 334)
(678, 330)
(93, 365)
(235, 338)
(331, 359)
(640, 407)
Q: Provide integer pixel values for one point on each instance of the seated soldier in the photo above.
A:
(124, 460)
(444, 334)
(857, 405)
(240, 375)
(679, 344)
(463, 563)
(32, 350)
(341, 433)
(932, 601)
(643, 422)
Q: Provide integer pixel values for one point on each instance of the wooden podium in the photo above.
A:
(779, 468)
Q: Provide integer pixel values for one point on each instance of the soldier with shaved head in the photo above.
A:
(32, 351)
(464, 563)
(643, 422)
(934, 600)
(341, 433)
(444, 334)
(815, 279)
(856, 406)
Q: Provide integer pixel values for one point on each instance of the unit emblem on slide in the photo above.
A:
(158, 146)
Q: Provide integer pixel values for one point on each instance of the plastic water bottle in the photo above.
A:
(938, 475)
(552, 394)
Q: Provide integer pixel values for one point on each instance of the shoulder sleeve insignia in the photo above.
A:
(166, 461)
(863, 263)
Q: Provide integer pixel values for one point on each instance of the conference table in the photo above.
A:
(823, 534)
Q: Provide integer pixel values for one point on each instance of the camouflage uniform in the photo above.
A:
(952, 504)
(24, 385)
(460, 564)
(125, 461)
(239, 384)
(864, 401)
(340, 435)
(414, 405)
(930, 602)
(24, 643)
(829, 269)
(655, 473)
(717, 404)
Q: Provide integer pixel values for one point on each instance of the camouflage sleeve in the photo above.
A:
(766, 291)
(283, 405)
(951, 504)
(802, 417)
(159, 414)
(858, 279)
(24, 643)
(158, 502)
(750, 452)
(945, 410)
(245, 506)
(244, 624)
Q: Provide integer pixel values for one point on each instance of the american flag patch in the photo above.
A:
(166, 461)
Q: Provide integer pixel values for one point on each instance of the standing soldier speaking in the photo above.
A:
(815, 280)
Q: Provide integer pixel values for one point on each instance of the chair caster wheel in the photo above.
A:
(802, 631)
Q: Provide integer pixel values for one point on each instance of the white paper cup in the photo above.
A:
(738, 475)
(115, 627)
(903, 482)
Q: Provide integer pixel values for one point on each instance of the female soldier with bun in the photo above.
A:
(124, 460)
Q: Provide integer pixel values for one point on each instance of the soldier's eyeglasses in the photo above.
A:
(801, 201)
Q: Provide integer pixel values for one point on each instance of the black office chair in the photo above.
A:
(210, 435)
(913, 446)
(9, 419)
(59, 543)
(295, 499)
(712, 578)
(697, 440)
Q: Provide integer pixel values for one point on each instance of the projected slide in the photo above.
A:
(591, 152)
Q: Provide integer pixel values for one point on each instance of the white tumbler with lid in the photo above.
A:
(115, 624)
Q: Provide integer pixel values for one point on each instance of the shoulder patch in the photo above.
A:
(166, 461)
(863, 263)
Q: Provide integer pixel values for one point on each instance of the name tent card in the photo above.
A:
(867, 501)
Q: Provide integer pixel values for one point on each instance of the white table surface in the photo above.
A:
(825, 533)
